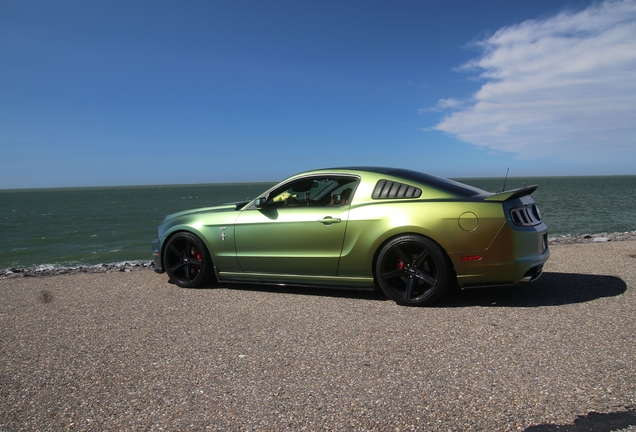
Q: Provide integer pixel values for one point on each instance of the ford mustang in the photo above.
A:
(411, 234)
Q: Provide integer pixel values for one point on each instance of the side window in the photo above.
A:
(313, 192)
(342, 195)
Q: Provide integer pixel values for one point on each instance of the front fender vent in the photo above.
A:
(387, 189)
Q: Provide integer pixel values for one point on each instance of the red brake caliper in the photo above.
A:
(197, 255)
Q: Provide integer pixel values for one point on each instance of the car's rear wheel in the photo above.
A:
(413, 270)
(187, 261)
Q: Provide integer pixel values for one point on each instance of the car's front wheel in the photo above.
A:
(186, 261)
(413, 270)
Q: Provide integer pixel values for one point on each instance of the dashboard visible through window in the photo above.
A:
(314, 192)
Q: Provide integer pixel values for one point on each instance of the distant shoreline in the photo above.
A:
(148, 265)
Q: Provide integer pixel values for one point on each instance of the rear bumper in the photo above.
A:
(515, 256)
(508, 273)
(156, 255)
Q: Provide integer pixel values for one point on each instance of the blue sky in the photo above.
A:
(106, 93)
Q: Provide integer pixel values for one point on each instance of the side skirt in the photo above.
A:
(296, 280)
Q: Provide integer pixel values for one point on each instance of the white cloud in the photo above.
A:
(563, 86)
(444, 104)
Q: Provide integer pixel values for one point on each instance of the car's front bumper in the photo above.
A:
(156, 254)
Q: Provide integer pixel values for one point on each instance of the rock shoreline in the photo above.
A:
(592, 238)
(56, 271)
(135, 266)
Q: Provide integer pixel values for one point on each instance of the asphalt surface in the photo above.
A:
(129, 351)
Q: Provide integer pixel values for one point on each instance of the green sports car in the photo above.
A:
(411, 234)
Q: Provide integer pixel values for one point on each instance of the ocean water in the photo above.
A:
(89, 226)
(42, 228)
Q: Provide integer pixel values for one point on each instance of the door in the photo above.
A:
(298, 230)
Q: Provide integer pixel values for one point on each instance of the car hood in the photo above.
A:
(215, 209)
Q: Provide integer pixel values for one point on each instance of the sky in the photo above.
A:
(109, 93)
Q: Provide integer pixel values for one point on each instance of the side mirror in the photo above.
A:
(260, 202)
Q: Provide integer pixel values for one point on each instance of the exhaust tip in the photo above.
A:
(532, 274)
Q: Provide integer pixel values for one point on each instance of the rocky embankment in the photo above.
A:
(127, 266)
(54, 271)
(591, 238)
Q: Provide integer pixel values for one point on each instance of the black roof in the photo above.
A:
(431, 180)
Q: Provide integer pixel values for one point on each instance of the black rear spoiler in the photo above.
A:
(512, 194)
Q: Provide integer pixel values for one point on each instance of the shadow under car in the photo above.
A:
(552, 289)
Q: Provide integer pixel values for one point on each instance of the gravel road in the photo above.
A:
(129, 351)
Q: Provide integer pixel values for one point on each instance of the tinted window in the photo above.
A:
(313, 192)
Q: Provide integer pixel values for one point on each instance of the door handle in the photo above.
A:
(329, 220)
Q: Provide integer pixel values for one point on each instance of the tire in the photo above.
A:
(187, 261)
(413, 270)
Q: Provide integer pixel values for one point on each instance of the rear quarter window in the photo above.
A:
(388, 189)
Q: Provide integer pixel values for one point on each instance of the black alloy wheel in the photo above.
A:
(187, 261)
(413, 270)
